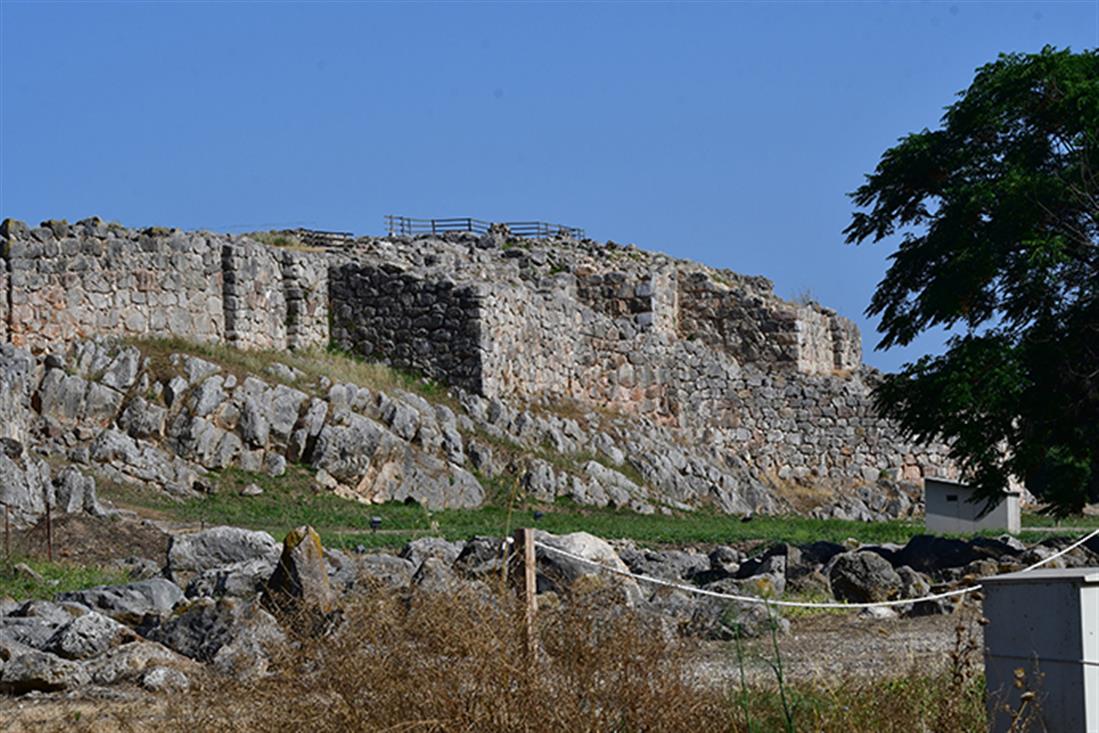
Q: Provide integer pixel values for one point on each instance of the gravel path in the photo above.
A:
(838, 645)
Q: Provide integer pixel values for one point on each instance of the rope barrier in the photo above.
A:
(798, 604)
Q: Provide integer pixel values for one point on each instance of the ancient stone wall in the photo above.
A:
(63, 282)
(846, 344)
(68, 282)
(529, 339)
(255, 303)
(386, 313)
(305, 284)
(711, 354)
(648, 298)
(810, 429)
(5, 300)
(743, 318)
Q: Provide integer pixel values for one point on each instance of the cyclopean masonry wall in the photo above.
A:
(741, 316)
(709, 353)
(64, 282)
(713, 354)
(68, 282)
(305, 286)
(254, 301)
(428, 325)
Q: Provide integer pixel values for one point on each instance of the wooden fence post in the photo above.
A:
(49, 533)
(7, 533)
(530, 586)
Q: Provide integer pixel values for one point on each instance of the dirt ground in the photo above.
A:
(127, 711)
(833, 646)
(92, 540)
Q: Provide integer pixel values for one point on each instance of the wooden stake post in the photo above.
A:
(530, 585)
(49, 534)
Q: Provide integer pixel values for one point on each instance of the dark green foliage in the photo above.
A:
(998, 213)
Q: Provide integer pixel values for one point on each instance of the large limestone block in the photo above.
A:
(300, 581)
(129, 603)
(41, 671)
(560, 573)
(217, 547)
(89, 635)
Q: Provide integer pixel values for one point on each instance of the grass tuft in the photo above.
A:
(56, 577)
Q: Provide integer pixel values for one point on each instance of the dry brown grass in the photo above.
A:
(802, 498)
(440, 662)
(443, 663)
(312, 363)
(284, 240)
(458, 662)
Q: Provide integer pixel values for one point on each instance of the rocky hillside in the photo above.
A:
(157, 416)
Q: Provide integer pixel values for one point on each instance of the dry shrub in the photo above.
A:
(911, 703)
(440, 662)
(916, 701)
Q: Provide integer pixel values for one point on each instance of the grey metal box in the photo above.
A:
(1045, 622)
(947, 509)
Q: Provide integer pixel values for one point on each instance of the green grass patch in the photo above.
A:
(56, 577)
(290, 500)
(1044, 521)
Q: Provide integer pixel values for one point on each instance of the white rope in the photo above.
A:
(797, 604)
(1065, 551)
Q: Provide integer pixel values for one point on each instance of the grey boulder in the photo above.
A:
(417, 551)
(89, 635)
(165, 679)
(666, 564)
(74, 492)
(217, 547)
(385, 571)
(129, 603)
(241, 579)
(300, 580)
(563, 574)
(435, 576)
(726, 619)
(40, 671)
(236, 636)
(128, 663)
(863, 577)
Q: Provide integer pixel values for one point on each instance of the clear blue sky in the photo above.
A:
(727, 133)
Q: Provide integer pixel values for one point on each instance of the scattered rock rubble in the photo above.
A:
(224, 595)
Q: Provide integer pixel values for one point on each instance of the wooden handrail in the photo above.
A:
(405, 225)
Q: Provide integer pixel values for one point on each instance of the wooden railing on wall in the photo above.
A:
(404, 225)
